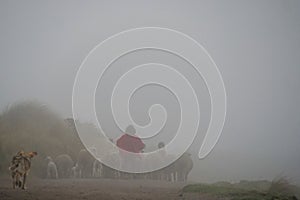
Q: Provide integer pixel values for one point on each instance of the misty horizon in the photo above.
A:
(255, 45)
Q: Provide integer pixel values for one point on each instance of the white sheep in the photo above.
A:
(51, 169)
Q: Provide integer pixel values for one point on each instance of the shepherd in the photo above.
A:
(129, 143)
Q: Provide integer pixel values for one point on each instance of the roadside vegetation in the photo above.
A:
(278, 189)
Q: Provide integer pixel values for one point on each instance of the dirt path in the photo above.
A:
(92, 189)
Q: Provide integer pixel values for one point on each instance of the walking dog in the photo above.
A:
(20, 166)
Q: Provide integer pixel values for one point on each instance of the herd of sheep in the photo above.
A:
(87, 166)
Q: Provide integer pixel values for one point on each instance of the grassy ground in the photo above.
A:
(279, 189)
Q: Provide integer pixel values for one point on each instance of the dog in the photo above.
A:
(20, 167)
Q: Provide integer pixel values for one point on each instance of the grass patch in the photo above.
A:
(277, 190)
(221, 191)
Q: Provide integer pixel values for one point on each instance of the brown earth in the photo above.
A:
(102, 189)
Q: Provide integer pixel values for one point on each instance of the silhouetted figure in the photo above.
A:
(128, 142)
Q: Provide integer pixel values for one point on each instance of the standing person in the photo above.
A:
(129, 143)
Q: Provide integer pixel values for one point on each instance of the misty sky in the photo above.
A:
(255, 44)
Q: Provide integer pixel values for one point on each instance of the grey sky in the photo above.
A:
(255, 44)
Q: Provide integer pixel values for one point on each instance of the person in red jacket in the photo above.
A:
(129, 142)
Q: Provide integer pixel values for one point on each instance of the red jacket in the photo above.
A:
(130, 143)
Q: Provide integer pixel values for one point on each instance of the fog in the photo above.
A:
(256, 46)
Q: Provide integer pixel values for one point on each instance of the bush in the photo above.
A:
(31, 126)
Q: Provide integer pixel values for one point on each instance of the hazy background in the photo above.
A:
(256, 46)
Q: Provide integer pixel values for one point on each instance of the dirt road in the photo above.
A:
(73, 189)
